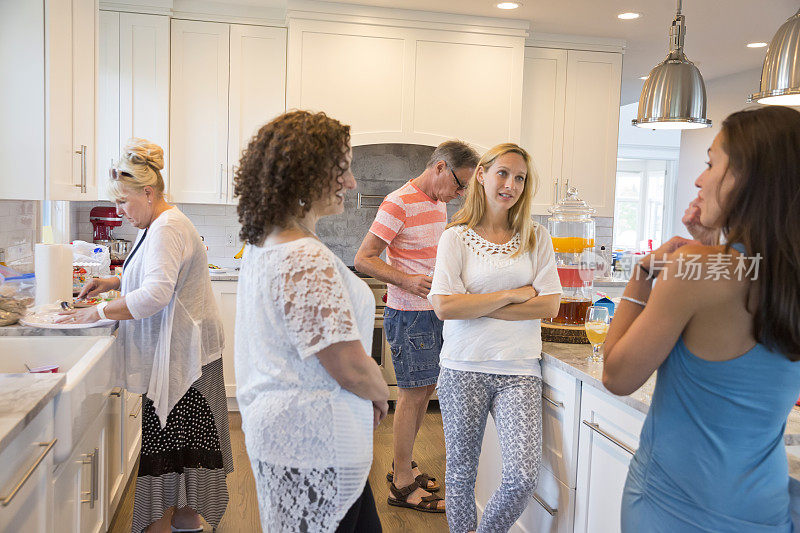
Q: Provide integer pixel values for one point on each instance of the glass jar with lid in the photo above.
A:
(572, 229)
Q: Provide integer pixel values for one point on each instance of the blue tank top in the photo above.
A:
(711, 452)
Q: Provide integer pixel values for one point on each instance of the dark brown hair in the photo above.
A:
(762, 212)
(291, 162)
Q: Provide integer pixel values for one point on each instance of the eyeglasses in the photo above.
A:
(460, 187)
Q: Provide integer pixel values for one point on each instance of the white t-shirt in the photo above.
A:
(466, 263)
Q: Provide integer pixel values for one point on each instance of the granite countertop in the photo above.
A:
(22, 397)
(573, 359)
(17, 330)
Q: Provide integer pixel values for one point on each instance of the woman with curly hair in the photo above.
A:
(309, 394)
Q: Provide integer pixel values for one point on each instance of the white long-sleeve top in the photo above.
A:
(466, 263)
(176, 327)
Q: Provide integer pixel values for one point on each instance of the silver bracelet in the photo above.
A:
(634, 300)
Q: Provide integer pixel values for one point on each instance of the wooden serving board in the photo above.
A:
(564, 333)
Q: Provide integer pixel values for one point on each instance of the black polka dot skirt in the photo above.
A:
(186, 462)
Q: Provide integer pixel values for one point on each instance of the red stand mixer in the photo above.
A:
(104, 220)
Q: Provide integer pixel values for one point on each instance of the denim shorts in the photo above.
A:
(416, 340)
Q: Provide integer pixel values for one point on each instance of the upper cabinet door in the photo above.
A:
(408, 85)
(543, 95)
(466, 88)
(144, 80)
(22, 140)
(70, 75)
(199, 112)
(591, 126)
(356, 74)
(257, 87)
(108, 133)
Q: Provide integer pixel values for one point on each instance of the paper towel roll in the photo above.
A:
(53, 267)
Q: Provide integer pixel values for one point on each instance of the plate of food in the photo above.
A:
(45, 316)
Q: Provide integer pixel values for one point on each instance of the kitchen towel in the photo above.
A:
(53, 268)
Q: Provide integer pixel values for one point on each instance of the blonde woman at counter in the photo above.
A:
(725, 342)
(495, 278)
(172, 338)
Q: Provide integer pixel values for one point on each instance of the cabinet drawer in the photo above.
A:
(609, 435)
(550, 509)
(25, 467)
(560, 410)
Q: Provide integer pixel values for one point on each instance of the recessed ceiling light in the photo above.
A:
(508, 5)
(756, 45)
(643, 77)
(629, 16)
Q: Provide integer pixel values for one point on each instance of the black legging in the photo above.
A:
(362, 517)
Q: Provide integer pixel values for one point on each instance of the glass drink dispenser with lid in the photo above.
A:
(571, 227)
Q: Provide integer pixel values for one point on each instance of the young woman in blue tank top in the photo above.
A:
(725, 342)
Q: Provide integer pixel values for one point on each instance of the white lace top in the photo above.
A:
(466, 263)
(295, 299)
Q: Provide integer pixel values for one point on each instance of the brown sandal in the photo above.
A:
(425, 481)
(399, 498)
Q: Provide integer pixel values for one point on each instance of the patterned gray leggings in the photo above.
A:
(466, 399)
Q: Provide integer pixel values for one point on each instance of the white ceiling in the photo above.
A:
(716, 34)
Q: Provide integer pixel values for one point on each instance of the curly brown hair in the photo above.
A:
(290, 163)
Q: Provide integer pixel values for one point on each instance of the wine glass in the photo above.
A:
(597, 323)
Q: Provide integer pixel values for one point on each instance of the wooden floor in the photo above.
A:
(242, 514)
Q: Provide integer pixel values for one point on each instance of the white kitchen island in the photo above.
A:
(588, 438)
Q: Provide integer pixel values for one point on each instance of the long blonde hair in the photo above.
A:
(519, 216)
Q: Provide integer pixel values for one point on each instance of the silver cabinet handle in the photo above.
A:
(93, 460)
(82, 153)
(138, 409)
(221, 181)
(540, 501)
(48, 446)
(597, 429)
(552, 402)
(228, 182)
(555, 191)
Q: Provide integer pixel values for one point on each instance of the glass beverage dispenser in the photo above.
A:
(571, 227)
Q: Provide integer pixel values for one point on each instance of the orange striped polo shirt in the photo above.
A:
(410, 223)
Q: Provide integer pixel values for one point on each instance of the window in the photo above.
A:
(642, 196)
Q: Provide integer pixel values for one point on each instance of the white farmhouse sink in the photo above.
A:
(90, 365)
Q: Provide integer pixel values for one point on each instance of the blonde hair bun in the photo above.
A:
(142, 151)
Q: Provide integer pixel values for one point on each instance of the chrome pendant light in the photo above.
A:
(674, 94)
(780, 76)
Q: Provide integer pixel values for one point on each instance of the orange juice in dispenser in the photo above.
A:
(572, 229)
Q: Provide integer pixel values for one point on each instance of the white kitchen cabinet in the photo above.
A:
(257, 87)
(132, 419)
(199, 111)
(570, 123)
(420, 85)
(116, 473)
(225, 296)
(133, 86)
(26, 465)
(217, 102)
(550, 508)
(609, 435)
(79, 484)
(591, 126)
(50, 48)
(560, 420)
(544, 90)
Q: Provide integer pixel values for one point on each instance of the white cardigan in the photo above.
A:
(176, 327)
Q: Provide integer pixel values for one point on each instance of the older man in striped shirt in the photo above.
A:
(408, 226)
